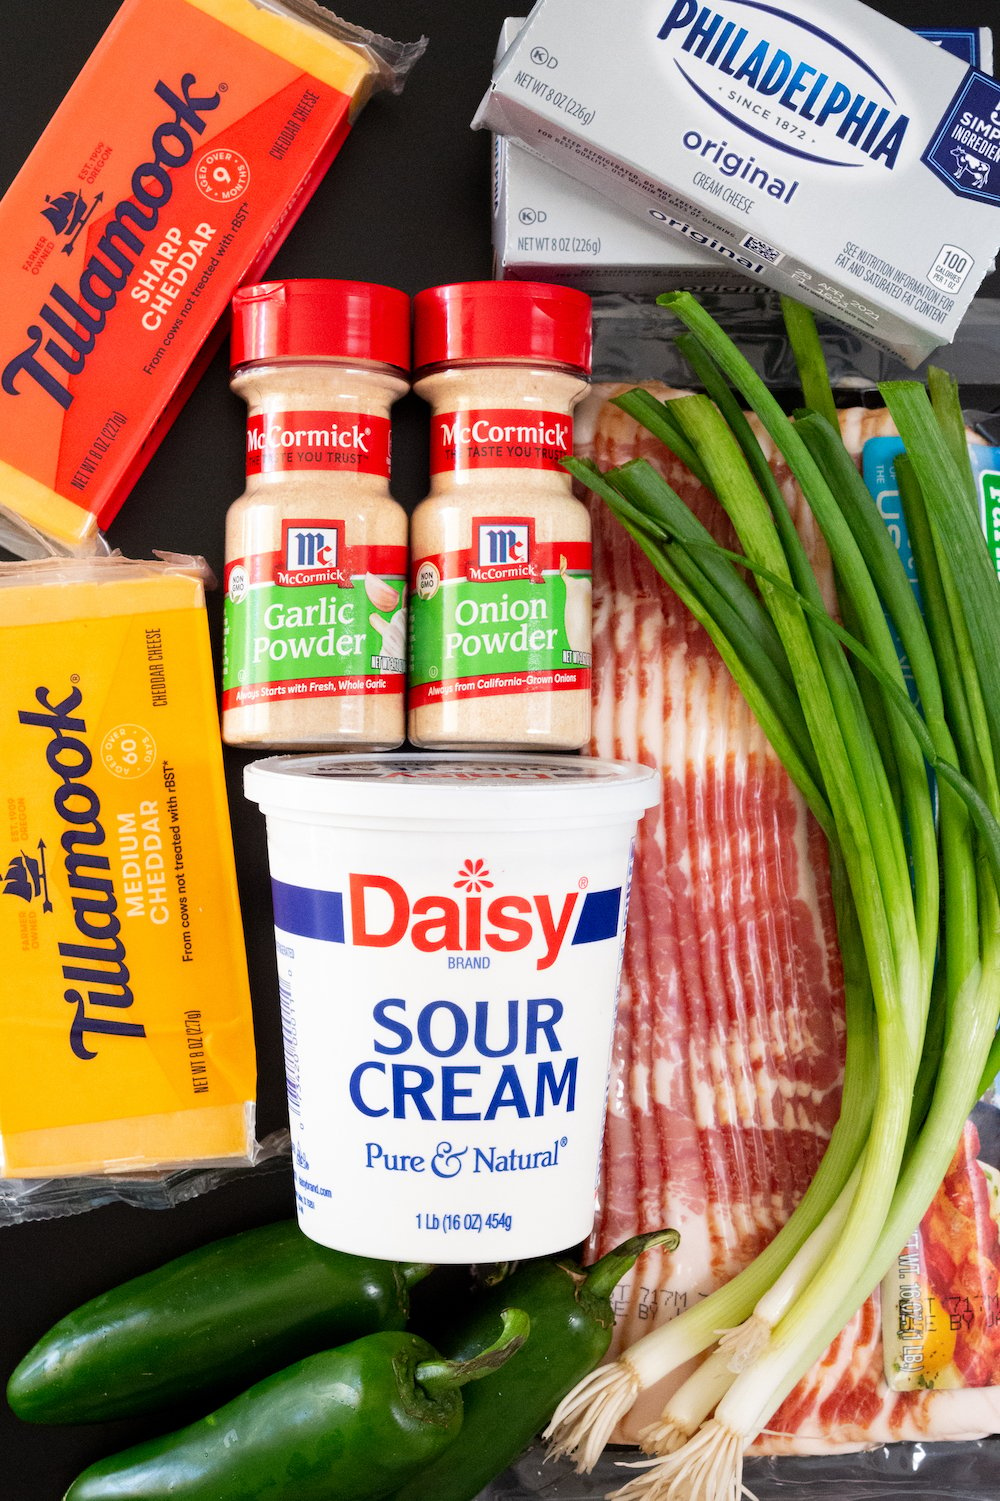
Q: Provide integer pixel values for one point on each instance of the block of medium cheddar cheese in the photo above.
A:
(125, 1000)
(171, 172)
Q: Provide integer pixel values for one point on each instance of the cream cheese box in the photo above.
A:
(859, 172)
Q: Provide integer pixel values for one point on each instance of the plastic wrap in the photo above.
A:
(633, 341)
(391, 60)
(893, 1472)
(25, 1199)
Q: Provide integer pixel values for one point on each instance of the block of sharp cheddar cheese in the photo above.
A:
(125, 1003)
(171, 172)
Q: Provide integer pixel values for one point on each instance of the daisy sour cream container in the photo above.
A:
(449, 932)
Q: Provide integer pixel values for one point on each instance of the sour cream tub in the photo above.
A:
(449, 933)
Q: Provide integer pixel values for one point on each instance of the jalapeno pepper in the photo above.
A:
(214, 1320)
(571, 1324)
(346, 1425)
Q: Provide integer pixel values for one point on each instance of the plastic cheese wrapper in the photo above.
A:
(172, 171)
(125, 999)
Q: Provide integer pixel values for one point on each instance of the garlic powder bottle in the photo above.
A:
(500, 598)
(314, 641)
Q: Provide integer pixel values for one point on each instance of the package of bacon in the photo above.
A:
(729, 1044)
(726, 1072)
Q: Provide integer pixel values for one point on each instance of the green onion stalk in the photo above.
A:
(582, 1424)
(915, 859)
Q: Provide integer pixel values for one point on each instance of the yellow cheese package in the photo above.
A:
(125, 1001)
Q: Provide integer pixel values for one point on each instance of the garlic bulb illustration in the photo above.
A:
(382, 595)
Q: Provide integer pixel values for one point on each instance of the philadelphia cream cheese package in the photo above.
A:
(859, 172)
(548, 227)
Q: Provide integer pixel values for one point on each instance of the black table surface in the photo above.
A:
(407, 203)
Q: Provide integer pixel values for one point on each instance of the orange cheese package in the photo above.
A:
(126, 983)
(171, 172)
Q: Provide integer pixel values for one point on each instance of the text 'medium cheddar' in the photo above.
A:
(125, 999)
(171, 172)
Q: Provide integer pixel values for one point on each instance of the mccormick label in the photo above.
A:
(170, 174)
(318, 618)
(447, 996)
(352, 442)
(499, 438)
(505, 615)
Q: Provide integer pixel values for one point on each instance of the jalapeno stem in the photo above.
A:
(413, 1272)
(444, 1375)
(604, 1276)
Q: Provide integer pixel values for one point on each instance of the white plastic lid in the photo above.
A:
(406, 786)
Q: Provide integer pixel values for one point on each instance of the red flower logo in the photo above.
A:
(472, 876)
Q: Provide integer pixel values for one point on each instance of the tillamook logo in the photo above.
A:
(78, 319)
(98, 962)
(275, 436)
(786, 87)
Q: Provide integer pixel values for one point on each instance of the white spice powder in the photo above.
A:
(321, 630)
(504, 661)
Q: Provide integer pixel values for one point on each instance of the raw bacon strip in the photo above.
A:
(729, 1043)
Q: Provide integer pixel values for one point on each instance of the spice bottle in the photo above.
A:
(315, 611)
(500, 594)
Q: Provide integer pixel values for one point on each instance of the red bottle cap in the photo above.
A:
(313, 319)
(487, 321)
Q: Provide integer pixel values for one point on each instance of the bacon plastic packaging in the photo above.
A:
(172, 171)
(725, 1075)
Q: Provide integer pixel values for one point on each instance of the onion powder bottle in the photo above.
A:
(500, 610)
(314, 642)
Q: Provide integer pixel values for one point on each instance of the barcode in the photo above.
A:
(291, 1039)
(762, 249)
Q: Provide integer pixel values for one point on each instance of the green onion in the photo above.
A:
(916, 895)
(800, 327)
